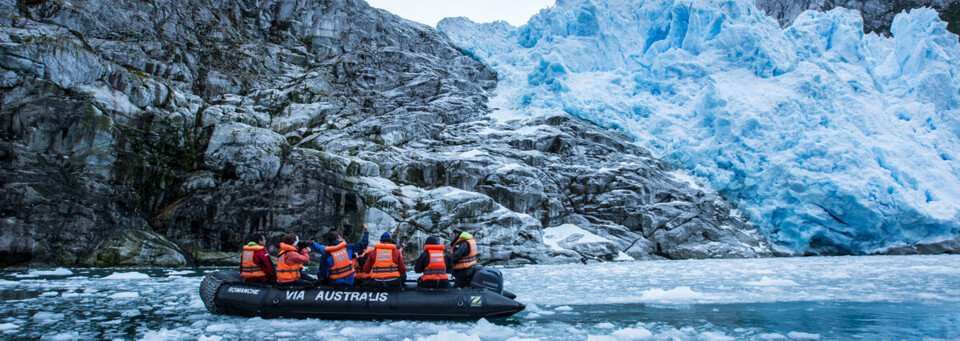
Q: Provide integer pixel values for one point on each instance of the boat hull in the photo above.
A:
(224, 293)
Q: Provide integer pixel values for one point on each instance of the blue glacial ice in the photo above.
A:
(830, 139)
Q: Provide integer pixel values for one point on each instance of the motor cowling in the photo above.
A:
(488, 278)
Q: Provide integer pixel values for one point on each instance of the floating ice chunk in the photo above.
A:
(715, 336)
(448, 335)
(6, 282)
(44, 317)
(62, 336)
(675, 294)
(489, 330)
(124, 295)
(284, 334)
(637, 333)
(50, 294)
(771, 282)
(220, 327)
(771, 336)
(623, 256)
(163, 335)
(563, 308)
(127, 275)
(803, 336)
(8, 326)
(38, 273)
(210, 338)
(605, 325)
(180, 272)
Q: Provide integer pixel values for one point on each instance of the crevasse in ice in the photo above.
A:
(830, 139)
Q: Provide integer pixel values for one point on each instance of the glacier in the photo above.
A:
(833, 141)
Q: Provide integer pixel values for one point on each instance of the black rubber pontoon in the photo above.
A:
(224, 292)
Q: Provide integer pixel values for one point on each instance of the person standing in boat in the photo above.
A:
(336, 262)
(255, 263)
(434, 263)
(294, 253)
(385, 265)
(464, 258)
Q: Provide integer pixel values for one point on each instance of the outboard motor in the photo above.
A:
(488, 278)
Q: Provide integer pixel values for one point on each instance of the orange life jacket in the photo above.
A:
(287, 273)
(470, 259)
(384, 267)
(357, 269)
(437, 268)
(249, 269)
(342, 266)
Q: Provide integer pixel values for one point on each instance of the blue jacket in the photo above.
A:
(326, 259)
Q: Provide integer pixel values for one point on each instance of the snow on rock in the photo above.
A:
(832, 140)
(572, 237)
(127, 275)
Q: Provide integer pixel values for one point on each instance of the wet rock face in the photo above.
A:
(877, 14)
(164, 133)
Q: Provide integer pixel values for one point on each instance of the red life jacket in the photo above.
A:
(342, 266)
(249, 269)
(384, 267)
(470, 259)
(287, 273)
(357, 269)
(437, 268)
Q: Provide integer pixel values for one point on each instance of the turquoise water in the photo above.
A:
(870, 298)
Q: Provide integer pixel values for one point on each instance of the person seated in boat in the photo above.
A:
(294, 253)
(433, 264)
(336, 262)
(359, 277)
(256, 266)
(464, 257)
(385, 265)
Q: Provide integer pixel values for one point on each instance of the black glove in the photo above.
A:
(302, 244)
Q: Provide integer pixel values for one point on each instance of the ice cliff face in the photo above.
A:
(162, 133)
(877, 14)
(832, 140)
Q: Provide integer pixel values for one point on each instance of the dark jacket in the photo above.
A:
(326, 259)
(462, 249)
(424, 259)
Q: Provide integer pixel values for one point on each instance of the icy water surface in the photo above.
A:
(870, 298)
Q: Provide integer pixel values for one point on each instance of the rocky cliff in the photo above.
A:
(877, 14)
(163, 133)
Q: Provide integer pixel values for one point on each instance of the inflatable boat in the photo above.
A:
(224, 292)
